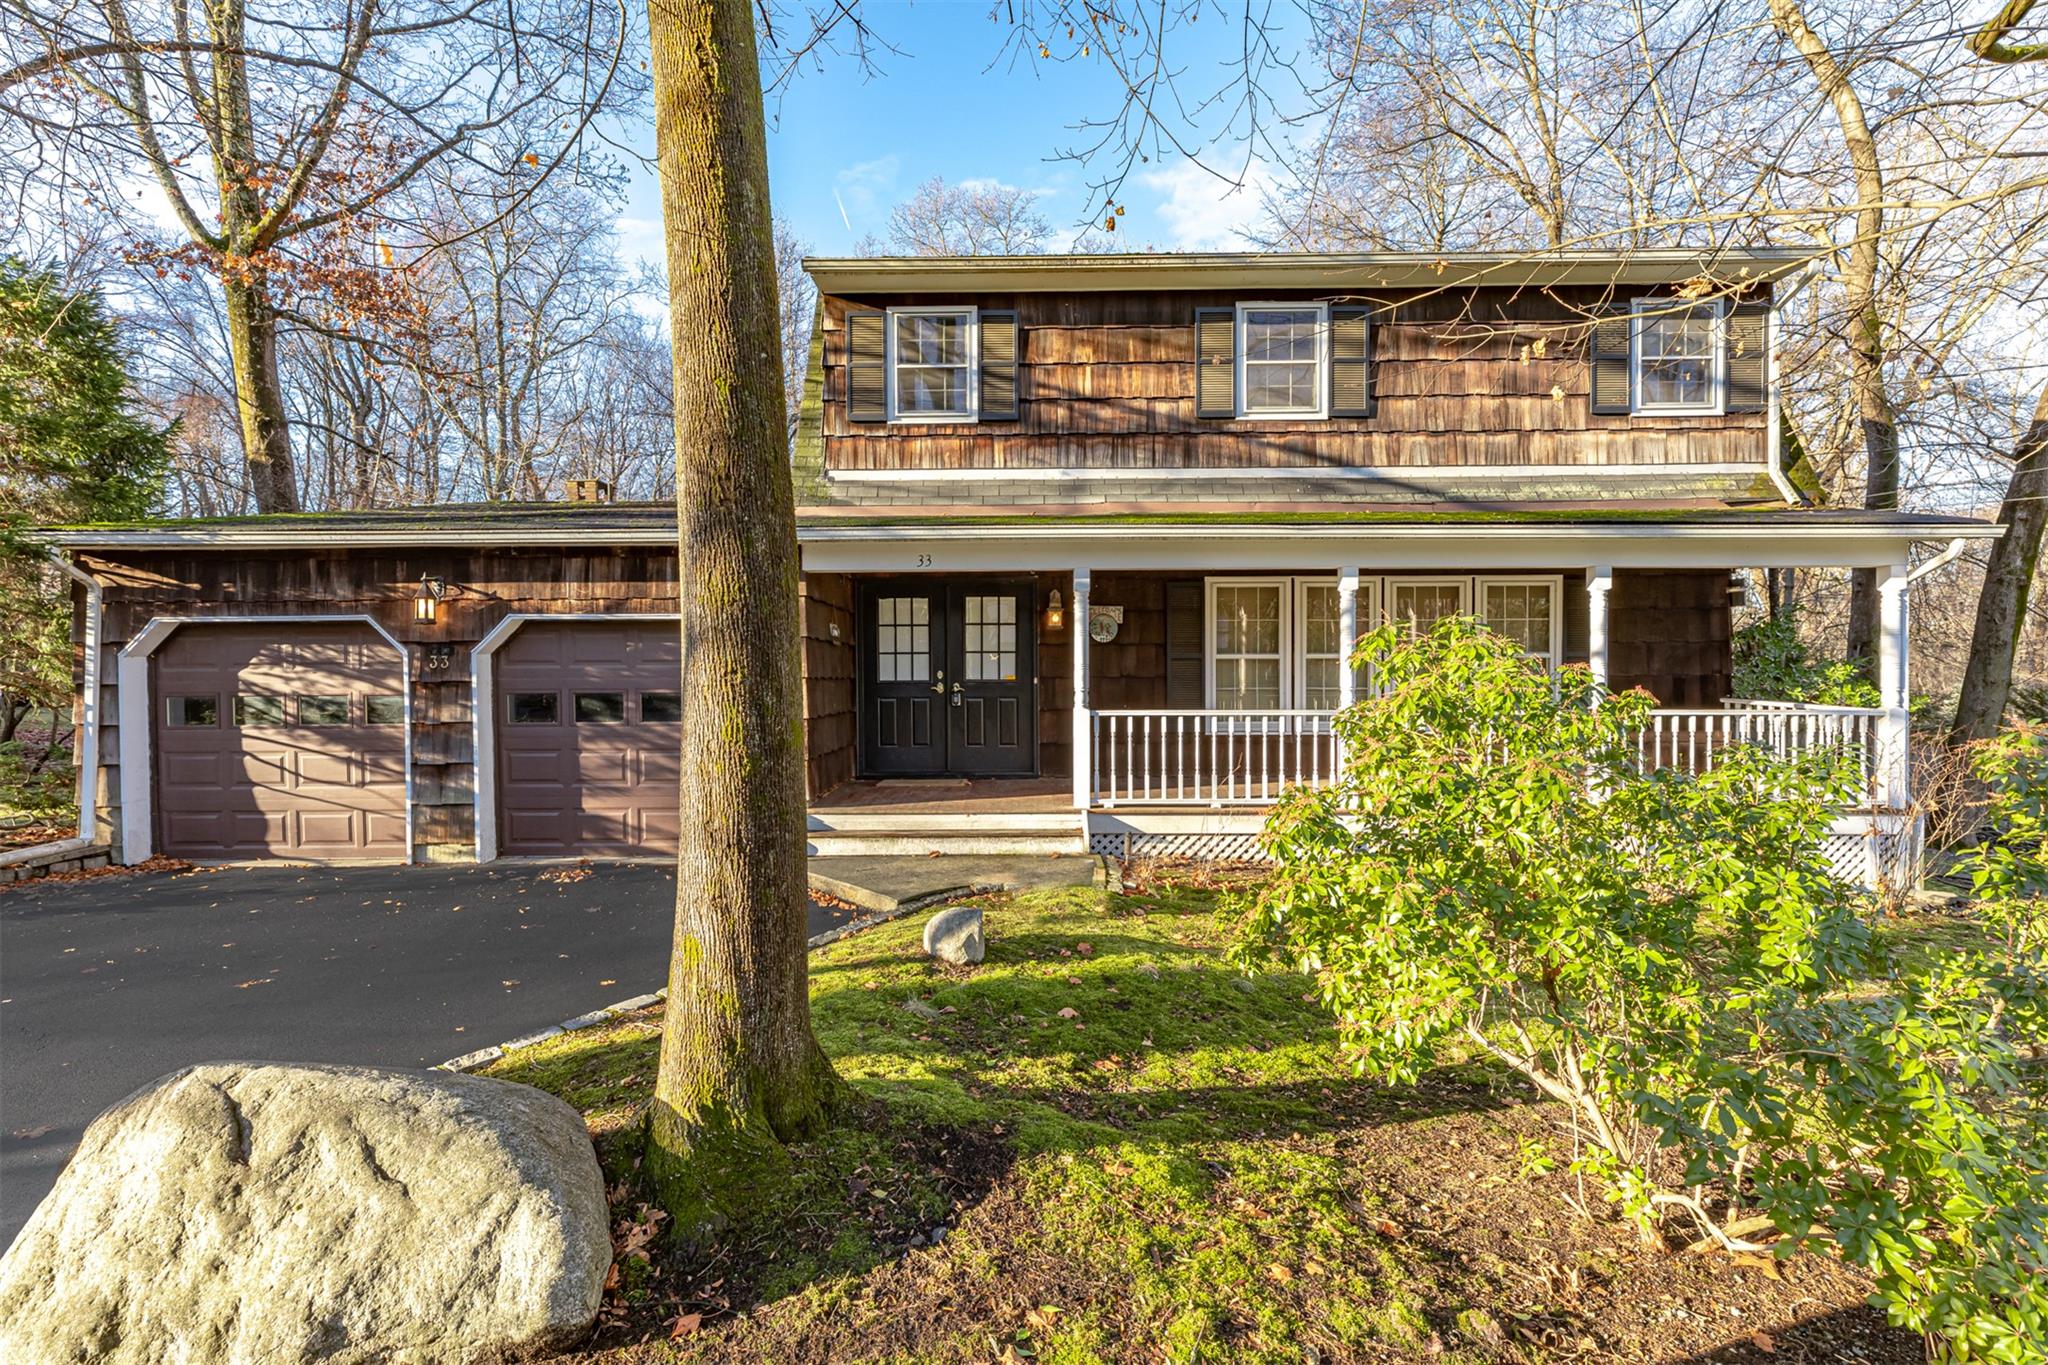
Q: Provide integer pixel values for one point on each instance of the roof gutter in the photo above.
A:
(88, 749)
(971, 528)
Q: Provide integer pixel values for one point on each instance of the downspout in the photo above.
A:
(1775, 438)
(89, 719)
(1948, 556)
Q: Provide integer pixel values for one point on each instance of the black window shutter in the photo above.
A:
(867, 367)
(1186, 689)
(1351, 362)
(1747, 336)
(1610, 359)
(1215, 362)
(999, 366)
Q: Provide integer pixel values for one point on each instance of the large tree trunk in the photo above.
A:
(1866, 324)
(2008, 579)
(259, 394)
(740, 1071)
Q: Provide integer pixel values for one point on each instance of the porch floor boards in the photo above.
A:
(951, 796)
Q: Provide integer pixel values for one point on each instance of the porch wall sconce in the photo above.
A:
(1055, 612)
(427, 601)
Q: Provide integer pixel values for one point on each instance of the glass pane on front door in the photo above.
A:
(903, 639)
(991, 638)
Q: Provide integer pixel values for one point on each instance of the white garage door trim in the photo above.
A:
(137, 750)
(484, 708)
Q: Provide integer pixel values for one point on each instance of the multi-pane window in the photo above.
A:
(1248, 631)
(991, 644)
(1322, 647)
(1677, 356)
(1282, 360)
(903, 639)
(1420, 603)
(1524, 611)
(932, 370)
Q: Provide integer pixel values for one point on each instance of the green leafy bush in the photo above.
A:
(1671, 959)
(2008, 870)
(1773, 663)
(26, 792)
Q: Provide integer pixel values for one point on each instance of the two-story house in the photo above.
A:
(1084, 541)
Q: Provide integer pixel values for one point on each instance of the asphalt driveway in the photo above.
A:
(109, 983)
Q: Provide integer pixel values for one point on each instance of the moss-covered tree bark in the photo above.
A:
(2008, 581)
(740, 1071)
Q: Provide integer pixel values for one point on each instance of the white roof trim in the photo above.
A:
(965, 527)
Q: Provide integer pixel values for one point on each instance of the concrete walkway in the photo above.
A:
(887, 884)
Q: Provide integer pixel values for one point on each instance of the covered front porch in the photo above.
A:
(1209, 665)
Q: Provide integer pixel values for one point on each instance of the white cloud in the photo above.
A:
(1199, 210)
(862, 185)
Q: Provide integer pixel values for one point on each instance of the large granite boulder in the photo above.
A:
(265, 1214)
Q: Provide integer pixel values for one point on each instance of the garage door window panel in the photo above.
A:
(384, 710)
(324, 710)
(661, 708)
(600, 708)
(535, 708)
(192, 712)
(259, 710)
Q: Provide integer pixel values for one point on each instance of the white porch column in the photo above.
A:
(1084, 759)
(1599, 582)
(1347, 635)
(1894, 752)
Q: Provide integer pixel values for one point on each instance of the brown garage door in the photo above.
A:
(589, 738)
(284, 740)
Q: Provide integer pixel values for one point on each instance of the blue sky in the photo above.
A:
(843, 146)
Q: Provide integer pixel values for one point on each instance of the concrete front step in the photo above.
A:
(924, 842)
(834, 820)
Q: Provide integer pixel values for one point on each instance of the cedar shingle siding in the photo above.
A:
(1108, 380)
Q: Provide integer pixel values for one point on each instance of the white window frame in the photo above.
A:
(972, 316)
(1462, 582)
(1287, 618)
(1555, 582)
(1717, 387)
(1321, 410)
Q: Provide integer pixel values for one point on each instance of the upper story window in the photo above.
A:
(932, 364)
(1281, 357)
(1678, 356)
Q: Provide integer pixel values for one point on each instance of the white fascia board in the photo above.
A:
(281, 538)
(983, 549)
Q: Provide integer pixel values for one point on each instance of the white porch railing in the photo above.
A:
(1209, 758)
(1248, 758)
(1694, 738)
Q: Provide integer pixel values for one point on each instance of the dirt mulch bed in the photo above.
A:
(28, 836)
(1507, 1272)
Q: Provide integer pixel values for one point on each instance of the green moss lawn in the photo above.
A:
(1104, 1144)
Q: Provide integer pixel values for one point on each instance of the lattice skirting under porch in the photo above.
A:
(1873, 851)
(1219, 848)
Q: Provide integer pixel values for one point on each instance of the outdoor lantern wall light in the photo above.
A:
(1055, 612)
(433, 588)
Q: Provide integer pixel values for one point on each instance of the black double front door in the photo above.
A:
(947, 678)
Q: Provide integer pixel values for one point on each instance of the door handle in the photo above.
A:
(940, 686)
(958, 692)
